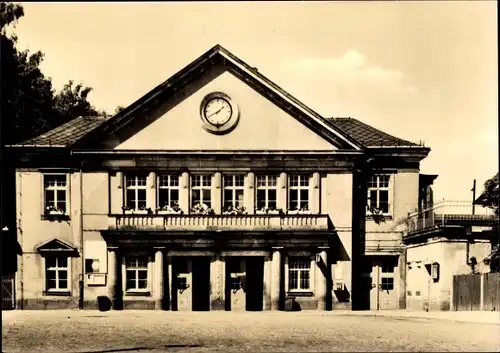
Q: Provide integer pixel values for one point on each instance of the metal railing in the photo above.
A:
(445, 212)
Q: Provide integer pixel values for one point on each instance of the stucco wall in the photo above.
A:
(262, 125)
(452, 258)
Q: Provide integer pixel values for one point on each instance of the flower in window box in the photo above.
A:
(202, 209)
(266, 210)
(232, 210)
(167, 209)
(52, 210)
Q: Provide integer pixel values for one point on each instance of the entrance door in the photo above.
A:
(383, 293)
(201, 283)
(254, 283)
(388, 295)
(235, 284)
(183, 283)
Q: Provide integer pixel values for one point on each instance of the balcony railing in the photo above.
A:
(446, 213)
(218, 222)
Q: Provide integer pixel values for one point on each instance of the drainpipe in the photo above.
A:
(82, 279)
(21, 240)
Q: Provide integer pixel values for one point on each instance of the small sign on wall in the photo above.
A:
(96, 279)
(95, 252)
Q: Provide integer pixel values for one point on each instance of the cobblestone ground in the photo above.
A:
(142, 332)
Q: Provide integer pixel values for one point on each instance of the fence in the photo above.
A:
(8, 297)
(476, 292)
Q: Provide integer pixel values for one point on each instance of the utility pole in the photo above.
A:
(473, 197)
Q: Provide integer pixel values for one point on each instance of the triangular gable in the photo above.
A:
(123, 125)
(56, 245)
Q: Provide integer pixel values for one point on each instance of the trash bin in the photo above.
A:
(103, 303)
(290, 304)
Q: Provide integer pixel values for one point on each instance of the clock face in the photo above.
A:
(217, 111)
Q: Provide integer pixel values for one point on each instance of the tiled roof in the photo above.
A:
(67, 133)
(366, 134)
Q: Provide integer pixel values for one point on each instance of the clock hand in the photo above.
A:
(208, 116)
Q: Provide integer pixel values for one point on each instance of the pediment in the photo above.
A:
(169, 117)
(56, 245)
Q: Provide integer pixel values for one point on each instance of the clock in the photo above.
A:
(219, 113)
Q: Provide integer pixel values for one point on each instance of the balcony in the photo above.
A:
(176, 222)
(449, 213)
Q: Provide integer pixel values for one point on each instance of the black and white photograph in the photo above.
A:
(240, 176)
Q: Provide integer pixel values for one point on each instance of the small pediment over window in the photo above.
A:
(56, 246)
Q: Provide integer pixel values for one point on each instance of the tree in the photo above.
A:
(489, 198)
(28, 105)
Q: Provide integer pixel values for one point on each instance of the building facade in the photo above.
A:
(217, 190)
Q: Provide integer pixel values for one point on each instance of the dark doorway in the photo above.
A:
(201, 283)
(254, 283)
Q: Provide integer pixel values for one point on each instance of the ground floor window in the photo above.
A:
(136, 269)
(299, 274)
(387, 277)
(56, 269)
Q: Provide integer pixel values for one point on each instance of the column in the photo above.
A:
(111, 276)
(322, 280)
(217, 193)
(170, 283)
(314, 196)
(267, 283)
(184, 192)
(217, 276)
(158, 274)
(151, 191)
(282, 191)
(276, 280)
(249, 196)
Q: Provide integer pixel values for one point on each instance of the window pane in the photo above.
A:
(61, 195)
(130, 195)
(261, 180)
(163, 197)
(195, 180)
(261, 198)
(272, 180)
(63, 274)
(384, 200)
(239, 180)
(174, 180)
(228, 197)
(62, 262)
(50, 261)
(174, 196)
(304, 180)
(195, 197)
(271, 195)
(130, 284)
(143, 284)
(49, 197)
(271, 205)
(294, 180)
(372, 182)
(239, 198)
(373, 198)
(143, 275)
(384, 181)
(293, 279)
(304, 197)
(130, 275)
(51, 284)
(206, 197)
(207, 180)
(387, 269)
(51, 275)
(228, 180)
(63, 284)
(304, 279)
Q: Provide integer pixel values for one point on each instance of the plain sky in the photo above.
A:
(422, 71)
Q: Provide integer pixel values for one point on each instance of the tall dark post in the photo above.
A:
(473, 197)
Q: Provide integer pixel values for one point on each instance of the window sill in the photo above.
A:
(55, 217)
(385, 217)
(56, 293)
(138, 293)
(299, 294)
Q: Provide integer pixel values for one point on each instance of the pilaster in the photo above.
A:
(216, 195)
(282, 191)
(250, 193)
(217, 276)
(184, 192)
